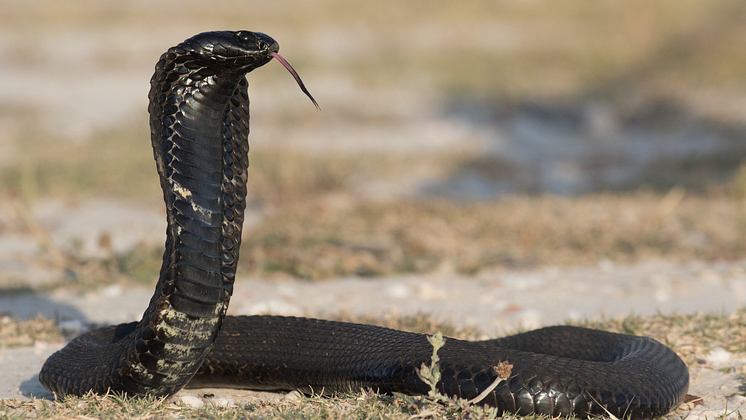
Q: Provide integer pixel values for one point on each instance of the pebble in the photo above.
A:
(718, 355)
(292, 396)
(223, 402)
(191, 401)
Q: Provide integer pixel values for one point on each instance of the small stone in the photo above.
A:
(718, 355)
(191, 401)
(223, 402)
(292, 396)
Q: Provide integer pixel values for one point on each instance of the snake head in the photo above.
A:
(237, 52)
(229, 54)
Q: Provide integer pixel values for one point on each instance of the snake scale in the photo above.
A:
(199, 124)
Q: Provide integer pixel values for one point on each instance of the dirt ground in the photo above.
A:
(494, 302)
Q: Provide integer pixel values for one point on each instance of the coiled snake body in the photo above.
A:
(199, 119)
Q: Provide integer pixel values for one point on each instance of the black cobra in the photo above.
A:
(199, 119)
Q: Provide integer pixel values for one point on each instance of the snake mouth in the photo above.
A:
(295, 76)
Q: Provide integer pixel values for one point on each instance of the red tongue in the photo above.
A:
(295, 76)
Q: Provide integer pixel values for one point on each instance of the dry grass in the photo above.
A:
(317, 226)
(314, 239)
(364, 405)
(15, 333)
(691, 336)
(63, 169)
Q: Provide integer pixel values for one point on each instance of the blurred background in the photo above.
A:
(452, 136)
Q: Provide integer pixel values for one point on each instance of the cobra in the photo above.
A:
(199, 126)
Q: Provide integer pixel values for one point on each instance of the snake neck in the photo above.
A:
(199, 121)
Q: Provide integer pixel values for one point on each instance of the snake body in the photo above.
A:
(199, 119)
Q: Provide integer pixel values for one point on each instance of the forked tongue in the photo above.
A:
(295, 76)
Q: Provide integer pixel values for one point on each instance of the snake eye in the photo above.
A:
(245, 36)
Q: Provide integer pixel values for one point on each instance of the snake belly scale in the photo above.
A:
(199, 120)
